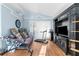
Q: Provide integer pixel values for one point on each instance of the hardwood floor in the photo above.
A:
(39, 49)
(18, 53)
(54, 50)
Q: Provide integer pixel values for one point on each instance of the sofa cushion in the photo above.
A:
(14, 31)
(28, 41)
(24, 35)
(17, 34)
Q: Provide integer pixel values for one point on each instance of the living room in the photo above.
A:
(31, 29)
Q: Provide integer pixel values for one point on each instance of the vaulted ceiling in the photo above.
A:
(45, 9)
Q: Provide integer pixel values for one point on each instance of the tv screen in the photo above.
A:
(63, 30)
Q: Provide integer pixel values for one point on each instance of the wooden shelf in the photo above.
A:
(75, 50)
(74, 31)
(74, 40)
(75, 21)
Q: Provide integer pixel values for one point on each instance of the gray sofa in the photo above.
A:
(22, 36)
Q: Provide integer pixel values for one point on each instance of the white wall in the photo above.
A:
(31, 17)
(2, 42)
(0, 27)
(0, 19)
(8, 20)
(39, 27)
(29, 25)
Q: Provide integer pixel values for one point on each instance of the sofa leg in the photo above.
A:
(31, 51)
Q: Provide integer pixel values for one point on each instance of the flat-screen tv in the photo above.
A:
(63, 30)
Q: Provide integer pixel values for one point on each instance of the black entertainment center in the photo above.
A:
(63, 30)
(66, 30)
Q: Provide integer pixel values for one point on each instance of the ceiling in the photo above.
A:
(48, 9)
